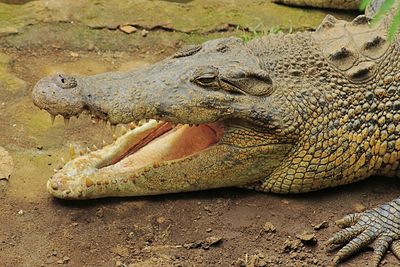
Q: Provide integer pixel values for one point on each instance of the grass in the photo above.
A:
(260, 30)
(382, 11)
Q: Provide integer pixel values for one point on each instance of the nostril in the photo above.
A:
(65, 82)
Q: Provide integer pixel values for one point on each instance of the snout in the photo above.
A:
(59, 95)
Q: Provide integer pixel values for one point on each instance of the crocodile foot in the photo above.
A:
(379, 226)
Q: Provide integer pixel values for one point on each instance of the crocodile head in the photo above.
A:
(212, 118)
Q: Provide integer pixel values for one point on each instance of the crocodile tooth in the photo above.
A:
(132, 125)
(66, 121)
(89, 182)
(53, 185)
(52, 118)
(97, 120)
(88, 150)
(123, 130)
(55, 170)
(156, 164)
(72, 151)
(104, 143)
(62, 160)
(94, 147)
(113, 127)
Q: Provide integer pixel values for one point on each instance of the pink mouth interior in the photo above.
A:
(166, 143)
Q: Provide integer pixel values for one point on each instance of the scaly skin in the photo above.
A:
(300, 112)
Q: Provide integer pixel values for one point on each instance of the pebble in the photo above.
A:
(320, 226)
(65, 259)
(358, 207)
(74, 54)
(127, 29)
(307, 238)
(269, 227)
(21, 212)
(144, 33)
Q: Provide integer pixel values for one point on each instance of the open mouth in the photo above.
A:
(155, 143)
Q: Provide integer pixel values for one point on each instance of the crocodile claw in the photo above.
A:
(378, 227)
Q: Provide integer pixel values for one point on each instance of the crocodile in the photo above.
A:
(284, 113)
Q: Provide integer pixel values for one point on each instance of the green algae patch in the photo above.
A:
(88, 24)
(8, 81)
(15, 17)
(196, 16)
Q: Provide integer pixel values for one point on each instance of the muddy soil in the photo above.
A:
(226, 227)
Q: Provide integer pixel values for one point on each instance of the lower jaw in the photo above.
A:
(219, 166)
(213, 165)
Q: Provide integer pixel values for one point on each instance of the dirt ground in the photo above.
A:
(226, 227)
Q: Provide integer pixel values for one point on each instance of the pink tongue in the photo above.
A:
(179, 142)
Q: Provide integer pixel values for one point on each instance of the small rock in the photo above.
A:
(161, 220)
(210, 241)
(208, 230)
(100, 213)
(320, 226)
(144, 33)
(358, 207)
(307, 238)
(65, 259)
(127, 29)
(292, 245)
(269, 227)
(206, 244)
(75, 224)
(39, 147)
(74, 54)
(118, 264)
(20, 212)
(60, 262)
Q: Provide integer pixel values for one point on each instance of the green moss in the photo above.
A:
(8, 81)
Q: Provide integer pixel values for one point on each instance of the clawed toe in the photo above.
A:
(378, 228)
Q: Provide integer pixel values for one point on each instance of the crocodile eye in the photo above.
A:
(206, 79)
(206, 76)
